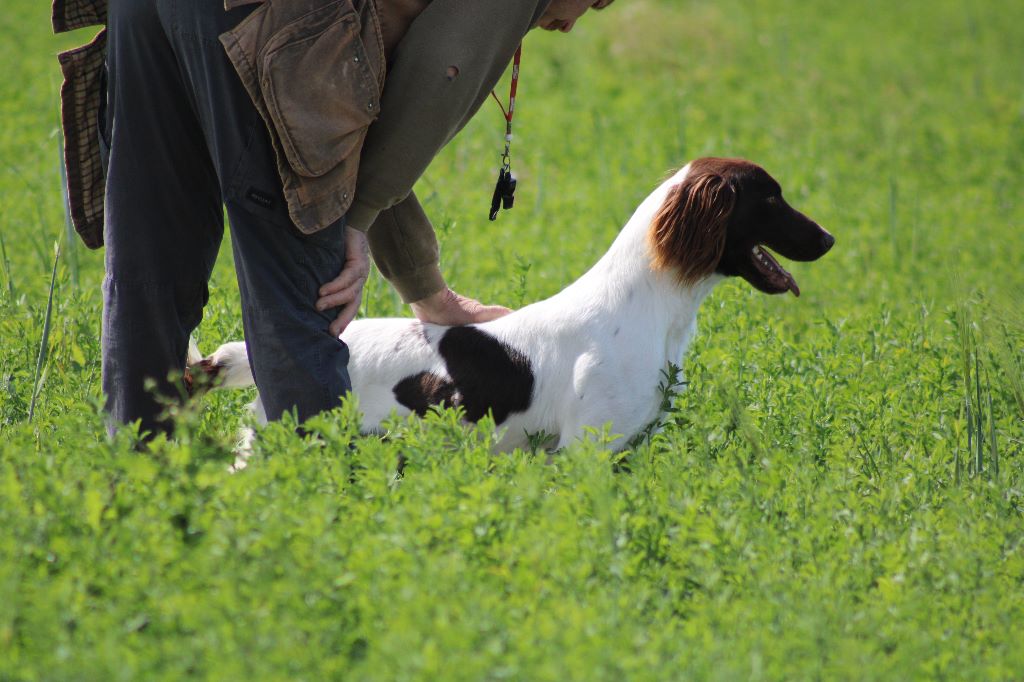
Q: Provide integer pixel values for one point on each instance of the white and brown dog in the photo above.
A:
(594, 354)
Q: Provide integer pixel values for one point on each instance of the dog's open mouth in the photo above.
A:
(774, 274)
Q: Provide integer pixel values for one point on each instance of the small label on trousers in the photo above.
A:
(261, 198)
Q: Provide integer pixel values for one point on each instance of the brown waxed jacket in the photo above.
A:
(318, 132)
(316, 70)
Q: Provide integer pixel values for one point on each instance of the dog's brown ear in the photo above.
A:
(688, 232)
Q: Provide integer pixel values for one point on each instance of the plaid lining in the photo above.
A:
(79, 110)
(80, 107)
(71, 14)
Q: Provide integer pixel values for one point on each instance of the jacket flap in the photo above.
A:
(69, 15)
(80, 97)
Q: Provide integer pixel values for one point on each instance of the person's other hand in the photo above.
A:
(450, 309)
(346, 290)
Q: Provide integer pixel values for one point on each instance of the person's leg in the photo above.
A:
(297, 363)
(164, 219)
(295, 360)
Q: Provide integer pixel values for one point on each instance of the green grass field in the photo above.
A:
(837, 495)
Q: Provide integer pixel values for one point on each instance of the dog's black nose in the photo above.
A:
(827, 241)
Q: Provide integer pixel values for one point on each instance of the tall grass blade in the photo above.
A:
(965, 354)
(970, 432)
(979, 417)
(973, 405)
(44, 344)
(7, 267)
(993, 450)
(70, 237)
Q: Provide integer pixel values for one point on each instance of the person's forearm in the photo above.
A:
(405, 250)
(443, 70)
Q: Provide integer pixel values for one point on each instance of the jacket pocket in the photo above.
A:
(320, 92)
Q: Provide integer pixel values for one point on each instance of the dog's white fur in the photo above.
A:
(598, 349)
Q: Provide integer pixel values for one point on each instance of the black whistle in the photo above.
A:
(504, 193)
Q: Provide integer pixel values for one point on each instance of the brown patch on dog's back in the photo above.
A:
(486, 376)
(490, 375)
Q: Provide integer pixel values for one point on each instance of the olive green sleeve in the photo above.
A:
(442, 71)
(405, 250)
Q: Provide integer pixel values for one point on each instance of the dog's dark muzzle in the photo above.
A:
(799, 238)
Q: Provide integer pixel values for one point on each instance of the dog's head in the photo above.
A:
(720, 217)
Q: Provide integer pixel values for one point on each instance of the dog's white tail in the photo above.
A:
(194, 356)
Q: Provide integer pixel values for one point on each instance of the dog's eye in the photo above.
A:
(774, 200)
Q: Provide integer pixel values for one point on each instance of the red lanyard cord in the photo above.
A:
(504, 190)
(511, 111)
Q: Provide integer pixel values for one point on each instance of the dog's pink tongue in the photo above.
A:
(791, 284)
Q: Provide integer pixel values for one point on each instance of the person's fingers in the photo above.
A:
(357, 264)
(342, 297)
(346, 278)
(346, 290)
(449, 308)
(345, 317)
(477, 311)
(486, 313)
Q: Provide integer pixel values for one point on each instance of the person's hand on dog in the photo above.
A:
(346, 290)
(449, 308)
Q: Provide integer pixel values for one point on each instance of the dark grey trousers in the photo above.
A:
(185, 140)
